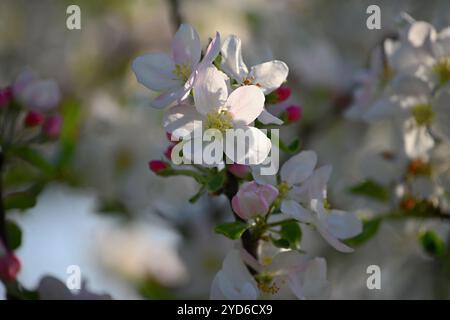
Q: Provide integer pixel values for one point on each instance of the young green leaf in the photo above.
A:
(19, 200)
(370, 189)
(14, 235)
(370, 228)
(232, 230)
(290, 236)
(432, 243)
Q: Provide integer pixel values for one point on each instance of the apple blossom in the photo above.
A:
(253, 200)
(287, 275)
(216, 109)
(36, 94)
(293, 113)
(268, 76)
(6, 95)
(175, 75)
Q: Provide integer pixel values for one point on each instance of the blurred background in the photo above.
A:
(134, 234)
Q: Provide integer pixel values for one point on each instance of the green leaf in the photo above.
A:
(34, 158)
(232, 230)
(432, 243)
(197, 196)
(370, 228)
(290, 236)
(20, 200)
(14, 235)
(215, 182)
(71, 113)
(292, 148)
(371, 189)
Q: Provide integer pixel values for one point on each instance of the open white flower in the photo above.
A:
(175, 75)
(303, 192)
(423, 52)
(215, 109)
(288, 275)
(268, 75)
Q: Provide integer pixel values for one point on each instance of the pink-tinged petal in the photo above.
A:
(298, 168)
(252, 148)
(342, 224)
(296, 211)
(232, 62)
(267, 118)
(253, 200)
(210, 90)
(269, 75)
(155, 71)
(315, 187)
(182, 120)
(170, 97)
(245, 104)
(186, 46)
(41, 95)
(268, 192)
(211, 52)
(24, 79)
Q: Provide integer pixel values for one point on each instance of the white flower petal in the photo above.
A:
(181, 121)
(315, 187)
(210, 90)
(267, 118)
(342, 224)
(417, 140)
(245, 104)
(296, 211)
(155, 71)
(316, 285)
(41, 95)
(269, 75)
(232, 62)
(299, 167)
(186, 46)
(168, 98)
(255, 149)
(211, 51)
(332, 240)
(421, 33)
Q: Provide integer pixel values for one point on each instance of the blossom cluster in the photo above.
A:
(408, 86)
(217, 90)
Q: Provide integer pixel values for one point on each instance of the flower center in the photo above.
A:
(442, 70)
(266, 283)
(182, 71)
(418, 167)
(283, 189)
(221, 120)
(423, 114)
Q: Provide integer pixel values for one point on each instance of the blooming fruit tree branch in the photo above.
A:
(213, 97)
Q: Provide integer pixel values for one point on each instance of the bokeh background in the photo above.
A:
(135, 235)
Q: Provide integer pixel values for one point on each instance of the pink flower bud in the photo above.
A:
(157, 166)
(33, 118)
(253, 200)
(5, 96)
(239, 170)
(293, 113)
(168, 152)
(283, 93)
(9, 267)
(52, 126)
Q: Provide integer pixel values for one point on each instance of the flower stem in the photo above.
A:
(250, 242)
